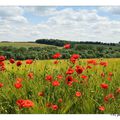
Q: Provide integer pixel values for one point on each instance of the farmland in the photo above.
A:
(50, 87)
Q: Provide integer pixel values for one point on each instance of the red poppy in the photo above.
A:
(19, 80)
(67, 46)
(48, 78)
(54, 107)
(31, 75)
(103, 63)
(19, 63)
(41, 94)
(104, 86)
(29, 61)
(69, 80)
(109, 78)
(1, 85)
(60, 100)
(78, 94)
(118, 90)
(79, 69)
(55, 83)
(18, 85)
(56, 62)
(92, 61)
(70, 71)
(59, 76)
(57, 55)
(109, 96)
(2, 66)
(2, 58)
(48, 105)
(102, 74)
(88, 67)
(110, 74)
(73, 60)
(84, 77)
(101, 108)
(75, 56)
(24, 103)
(12, 61)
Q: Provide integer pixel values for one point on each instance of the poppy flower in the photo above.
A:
(84, 77)
(67, 46)
(19, 80)
(2, 58)
(109, 96)
(1, 85)
(19, 63)
(88, 67)
(24, 103)
(110, 74)
(101, 108)
(78, 94)
(79, 69)
(102, 74)
(48, 105)
(70, 71)
(73, 60)
(12, 61)
(57, 55)
(92, 61)
(109, 78)
(59, 76)
(75, 56)
(41, 94)
(118, 90)
(31, 75)
(29, 61)
(56, 62)
(103, 63)
(54, 107)
(18, 85)
(60, 100)
(104, 86)
(48, 78)
(55, 83)
(69, 80)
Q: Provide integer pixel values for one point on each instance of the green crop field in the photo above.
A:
(51, 87)
(22, 44)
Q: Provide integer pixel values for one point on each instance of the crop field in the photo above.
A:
(22, 44)
(75, 85)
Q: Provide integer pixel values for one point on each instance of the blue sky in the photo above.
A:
(79, 23)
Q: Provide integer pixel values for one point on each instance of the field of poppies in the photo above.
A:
(69, 86)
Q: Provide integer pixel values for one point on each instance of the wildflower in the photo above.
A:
(57, 55)
(103, 64)
(109, 78)
(101, 108)
(109, 96)
(48, 105)
(69, 80)
(19, 63)
(18, 85)
(70, 71)
(55, 83)
(59, 76)
(29, 61)
(56, 62)
(48, 78)
(24, 103)
(118, 90)
(75, 56)
(78, 94)
(67, 46)
(1, 85)
(19, 80)
(2, 58)
(102, 74)
(12, 61)
(41, 94)
(31, 75)
(79, 69)
(92, 61)
(84, 77)
(60, 100)
(104, 86)
(110, 74)
(54, 107)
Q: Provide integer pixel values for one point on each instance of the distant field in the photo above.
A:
(23, 44)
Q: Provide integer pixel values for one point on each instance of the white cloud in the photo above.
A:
(67, 23)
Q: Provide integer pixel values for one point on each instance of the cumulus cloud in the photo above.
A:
(66, 23)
